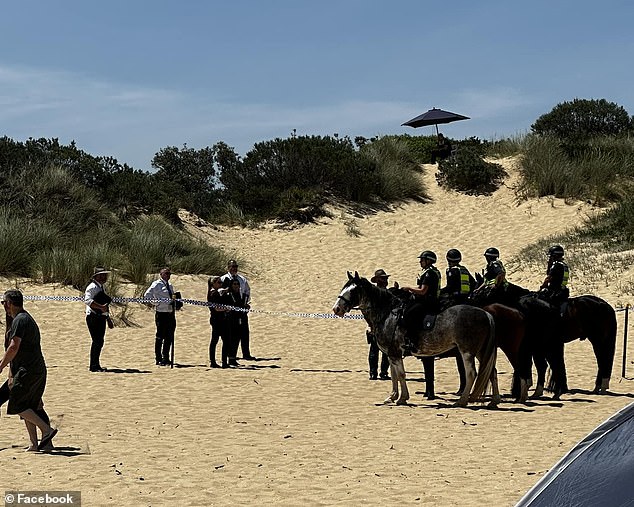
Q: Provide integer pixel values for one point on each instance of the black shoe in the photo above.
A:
(384, 376)
(249, 358)
(233, 362)
(97, 369)
(373, 375)
(214, 364)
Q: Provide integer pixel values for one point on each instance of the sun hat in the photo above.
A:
(379, 273)
(100, 271)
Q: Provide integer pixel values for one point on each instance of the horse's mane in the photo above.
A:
(383, 296)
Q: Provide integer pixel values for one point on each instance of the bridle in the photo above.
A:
(346, 300)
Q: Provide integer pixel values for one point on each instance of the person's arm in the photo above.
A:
(149, 294)
(89, 297)
(10, 353)
(247, 291)
(417, 291)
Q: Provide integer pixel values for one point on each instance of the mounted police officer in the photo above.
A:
(426, 294)
(555, 287)
(460, 283)
(494, 272)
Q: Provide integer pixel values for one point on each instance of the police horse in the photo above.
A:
(470, 329)
(580, 317)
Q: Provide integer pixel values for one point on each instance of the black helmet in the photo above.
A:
(556, 251)
(454, 255)
(428, 254)
(492, 253)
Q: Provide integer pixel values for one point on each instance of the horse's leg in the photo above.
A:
(468, 360)
(602, 382)
(394, 394)
(398, 373)
(541, 365)
(461, 373)
(495, 401)
(428, 368)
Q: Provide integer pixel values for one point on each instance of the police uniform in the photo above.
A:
(556, 290)
(492, 270)
(426, 304)
(460, 284)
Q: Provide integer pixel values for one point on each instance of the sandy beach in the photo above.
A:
(303, 425)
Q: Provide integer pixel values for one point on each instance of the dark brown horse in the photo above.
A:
(593, 318)
(541, 342)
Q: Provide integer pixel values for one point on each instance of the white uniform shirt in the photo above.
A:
(158, 290)
(89, 296)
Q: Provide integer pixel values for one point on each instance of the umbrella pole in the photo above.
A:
(436, 130)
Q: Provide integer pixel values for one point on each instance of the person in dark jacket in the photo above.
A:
(380, 279)
(554, 289)
(460, 283)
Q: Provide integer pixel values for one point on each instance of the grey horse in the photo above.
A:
(470, 329)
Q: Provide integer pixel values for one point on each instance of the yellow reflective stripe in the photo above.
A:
(564, 282)
(465, 286)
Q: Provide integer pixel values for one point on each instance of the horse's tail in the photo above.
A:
(487, 362)
(609, 347)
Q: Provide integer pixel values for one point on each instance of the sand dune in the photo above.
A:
(303, 425)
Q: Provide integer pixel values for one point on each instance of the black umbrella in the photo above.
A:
(434, 117)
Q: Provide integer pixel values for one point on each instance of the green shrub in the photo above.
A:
(468, 172)
(582, 119)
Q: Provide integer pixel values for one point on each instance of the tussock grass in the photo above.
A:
(397, 169)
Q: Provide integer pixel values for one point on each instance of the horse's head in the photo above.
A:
(350, 295)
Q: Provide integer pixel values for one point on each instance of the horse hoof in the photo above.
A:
(493, 404)
(401, 402)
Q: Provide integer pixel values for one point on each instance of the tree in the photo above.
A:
(191, 174)
(582, 119)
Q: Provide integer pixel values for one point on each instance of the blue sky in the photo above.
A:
(127, 78)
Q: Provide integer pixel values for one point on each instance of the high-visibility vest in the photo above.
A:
(465, 283)
(492, 280)
(564, 281)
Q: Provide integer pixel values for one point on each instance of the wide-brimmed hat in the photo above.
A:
(100, 271)
(379, 273)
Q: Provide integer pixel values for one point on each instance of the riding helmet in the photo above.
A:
(492, 253)
(428, 254)
(556, 251)
(454, 255)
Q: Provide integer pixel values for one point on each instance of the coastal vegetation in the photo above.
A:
(64, 211)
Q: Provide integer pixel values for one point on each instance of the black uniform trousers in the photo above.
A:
(373, 357)
(97, 329)
(165, 329)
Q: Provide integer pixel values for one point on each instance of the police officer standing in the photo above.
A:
(460, 283)
(425, 293)
(380, 279)
(555, 286)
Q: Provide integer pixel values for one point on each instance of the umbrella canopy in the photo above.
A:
(434, 117)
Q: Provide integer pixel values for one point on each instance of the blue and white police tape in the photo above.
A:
(195, 302)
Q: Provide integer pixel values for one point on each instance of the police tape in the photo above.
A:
(195, 302)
